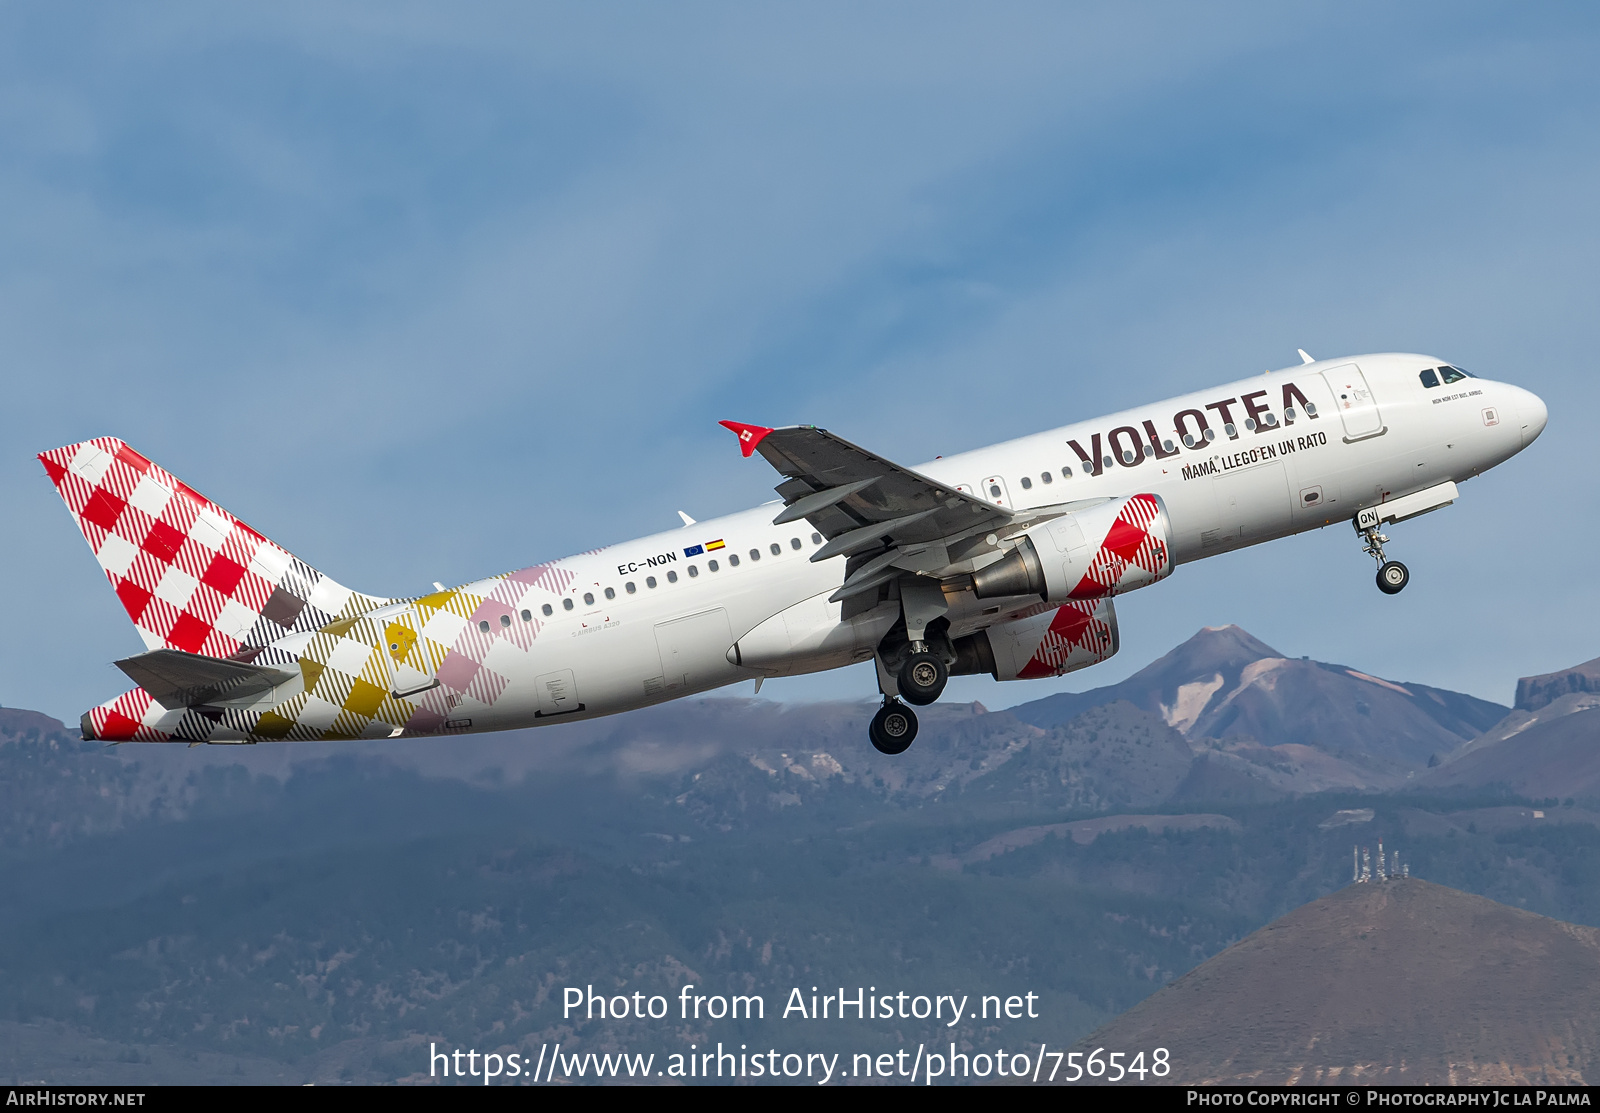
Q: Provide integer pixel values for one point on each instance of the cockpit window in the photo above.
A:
(1453, 374)
(1429, 379)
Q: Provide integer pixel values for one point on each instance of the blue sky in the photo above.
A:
(427, 292)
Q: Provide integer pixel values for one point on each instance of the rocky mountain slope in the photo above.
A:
(1548, 746)
(1534, 692)
(1288, 724)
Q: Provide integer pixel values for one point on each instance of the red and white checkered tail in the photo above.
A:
(190, 575)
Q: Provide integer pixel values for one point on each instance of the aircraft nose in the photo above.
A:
(1533, 412)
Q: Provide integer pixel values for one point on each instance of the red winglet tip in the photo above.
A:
(749, 435)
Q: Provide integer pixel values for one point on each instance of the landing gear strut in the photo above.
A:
(893, 728)
(1392, 575)
(913, 661)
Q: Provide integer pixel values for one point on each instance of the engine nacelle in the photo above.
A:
(1055, 641)
(1103, 550)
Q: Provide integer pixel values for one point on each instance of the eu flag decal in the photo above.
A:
(694, 550)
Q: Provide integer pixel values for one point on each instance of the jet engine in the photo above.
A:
(1102, 550)
(1052, 642)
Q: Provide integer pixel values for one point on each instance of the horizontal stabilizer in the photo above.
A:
(177, 679)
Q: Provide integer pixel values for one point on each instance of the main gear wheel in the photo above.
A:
(922, 678)
(893, 728)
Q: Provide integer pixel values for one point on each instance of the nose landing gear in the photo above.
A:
(1392, 575)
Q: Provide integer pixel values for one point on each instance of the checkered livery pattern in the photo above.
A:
(193, 577)
(467, 640)
(1079, 634)
(1134, 552)
(190, 575)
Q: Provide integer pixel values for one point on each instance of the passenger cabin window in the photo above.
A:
(527, 616)
(1066, 473)
(794, 543)
(711, 564)
(733, 560)
(588, 598)
(672, 577)
(611, 593)
(629, 588)
(484, 626)
(1430, 378)
(548, 610)
(755, 554)
(1046, 477)
(775, 548)
(816, 538)
(649, 581)
(566, 604)
(1027, 484)
(505, 620)
(693, 572)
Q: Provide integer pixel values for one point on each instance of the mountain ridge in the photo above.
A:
(1227, 685)
(1403, 982)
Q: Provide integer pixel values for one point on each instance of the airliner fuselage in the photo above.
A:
(1002, 560)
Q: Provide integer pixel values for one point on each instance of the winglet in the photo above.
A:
(749, 435)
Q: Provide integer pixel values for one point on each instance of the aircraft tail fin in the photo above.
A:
(191, 576)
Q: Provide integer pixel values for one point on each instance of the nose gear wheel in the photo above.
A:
(1393, 577)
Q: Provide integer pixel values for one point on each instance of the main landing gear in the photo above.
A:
(920, 680)
(914, 660)
(1392, 575)
(923, 677)
(893, 728)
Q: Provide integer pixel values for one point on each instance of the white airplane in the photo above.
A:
(1003, 560)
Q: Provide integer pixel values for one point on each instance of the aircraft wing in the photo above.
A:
(888, 518)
